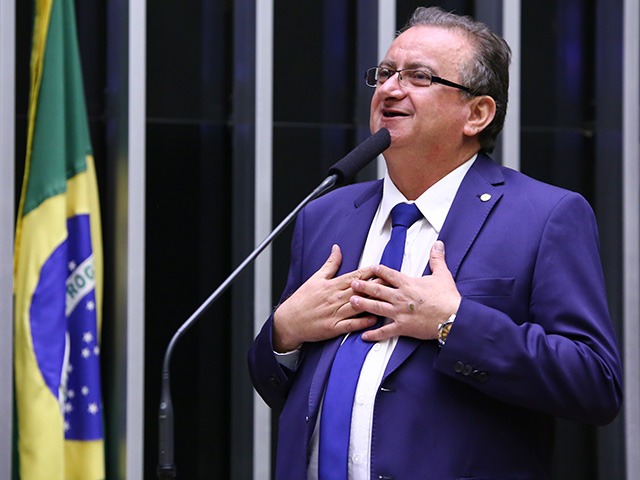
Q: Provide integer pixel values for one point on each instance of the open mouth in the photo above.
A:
(393, 114)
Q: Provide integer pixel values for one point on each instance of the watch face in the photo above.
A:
(443, 332)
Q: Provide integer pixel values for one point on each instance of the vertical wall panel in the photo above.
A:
(608, 173)
(631, 233)
(7, 207)
(136, 223)
(510, 146)
(387, 21)
(124, 232)
(244, 179)
(368, 17)
(263, 217)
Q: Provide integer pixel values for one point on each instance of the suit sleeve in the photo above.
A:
(564, 359)
(272, 380)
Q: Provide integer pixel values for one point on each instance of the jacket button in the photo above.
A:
(458, 367)
(466, 371)
(482, 377)
(274, 380)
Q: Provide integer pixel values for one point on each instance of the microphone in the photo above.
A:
(359, 157)
(341, 172)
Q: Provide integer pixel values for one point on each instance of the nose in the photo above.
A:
(392, 87)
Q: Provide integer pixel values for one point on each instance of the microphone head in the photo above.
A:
(346, 168)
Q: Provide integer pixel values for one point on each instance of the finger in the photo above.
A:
(346, 309)
(331, 265)
(369, 288)
(353, 324)
(387, 276)
(345, 279)
(437, 260)
(373, 306)
(367, 273)
(379, 334)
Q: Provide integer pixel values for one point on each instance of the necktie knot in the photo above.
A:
(405, 215)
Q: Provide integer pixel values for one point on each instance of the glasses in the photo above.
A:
(376, 76)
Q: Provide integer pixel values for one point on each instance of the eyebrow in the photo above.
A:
(411, 66)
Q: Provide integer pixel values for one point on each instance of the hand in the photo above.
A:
(415, 305)
(320, 308)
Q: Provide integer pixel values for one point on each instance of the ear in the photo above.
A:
(482, 109)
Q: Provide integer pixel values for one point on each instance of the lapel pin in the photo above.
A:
(485, 197)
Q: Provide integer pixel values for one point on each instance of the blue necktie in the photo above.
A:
(335, 421)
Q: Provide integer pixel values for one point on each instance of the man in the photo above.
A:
(481, 347)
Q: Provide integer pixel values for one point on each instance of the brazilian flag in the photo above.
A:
(58, 267)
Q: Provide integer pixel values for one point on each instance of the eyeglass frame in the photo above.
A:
(434, 78)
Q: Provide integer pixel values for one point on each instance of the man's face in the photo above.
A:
(423, 119)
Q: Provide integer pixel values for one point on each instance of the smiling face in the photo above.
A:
(425, 121)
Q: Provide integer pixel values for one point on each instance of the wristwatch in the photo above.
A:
(444, 329)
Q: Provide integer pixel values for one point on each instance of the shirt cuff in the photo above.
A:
(288, 359)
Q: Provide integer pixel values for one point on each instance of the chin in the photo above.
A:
(382, 124)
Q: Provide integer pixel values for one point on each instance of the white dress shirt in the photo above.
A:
(434, 204)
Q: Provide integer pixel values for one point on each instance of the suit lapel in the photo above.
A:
(351, 235)
(478, 194)
(352, 232)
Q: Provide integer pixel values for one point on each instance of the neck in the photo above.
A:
(415, 175)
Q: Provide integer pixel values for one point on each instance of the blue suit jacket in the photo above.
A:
(532, 339)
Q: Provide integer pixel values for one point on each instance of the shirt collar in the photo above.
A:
(434, 203)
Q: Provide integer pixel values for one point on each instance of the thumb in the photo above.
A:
(331, 265)
(436, 259)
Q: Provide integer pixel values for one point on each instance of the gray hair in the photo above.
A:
(488, 71)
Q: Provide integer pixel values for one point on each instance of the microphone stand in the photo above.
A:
(166, 467)
(340, 171)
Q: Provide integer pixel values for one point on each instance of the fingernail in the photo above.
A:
(355, 284)
(438, 246)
